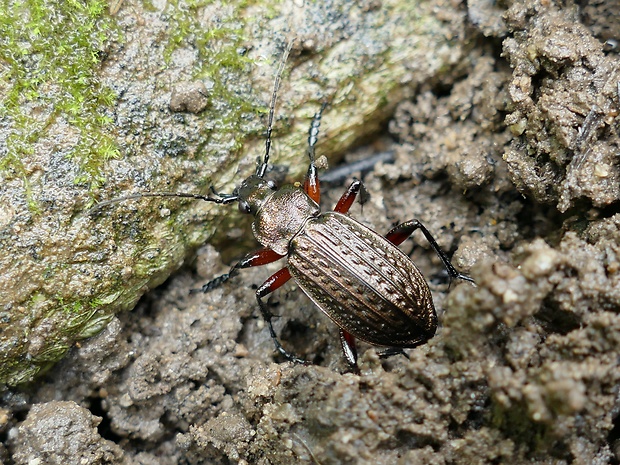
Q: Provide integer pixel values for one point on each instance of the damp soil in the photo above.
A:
(512, 162)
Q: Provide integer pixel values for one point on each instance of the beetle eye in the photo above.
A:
(271, 185)
(244, 207)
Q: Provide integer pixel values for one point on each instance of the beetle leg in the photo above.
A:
(401, 232)
(349, 349)
(311, 183)
(277, 280)
(256, 258)
(393, 351)
(347, 199)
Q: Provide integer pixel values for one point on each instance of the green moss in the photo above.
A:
(49, 54)
(221, 60)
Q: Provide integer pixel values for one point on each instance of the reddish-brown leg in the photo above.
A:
(256, 258)
(311, 184)
(349, 349)
(347, 199)
(276, 281)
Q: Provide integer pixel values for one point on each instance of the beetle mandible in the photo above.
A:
(361, 280)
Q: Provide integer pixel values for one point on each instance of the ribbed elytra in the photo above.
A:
(360, 279)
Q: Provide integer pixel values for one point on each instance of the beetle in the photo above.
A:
(360, 279)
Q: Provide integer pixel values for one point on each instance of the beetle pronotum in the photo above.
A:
(361, 280)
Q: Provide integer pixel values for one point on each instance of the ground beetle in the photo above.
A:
(358, 278)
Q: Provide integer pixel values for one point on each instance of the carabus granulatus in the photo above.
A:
(358, 278)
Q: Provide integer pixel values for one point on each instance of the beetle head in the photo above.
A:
(253, 192)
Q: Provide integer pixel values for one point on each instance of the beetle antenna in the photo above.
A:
(220, 199)
(260, 170)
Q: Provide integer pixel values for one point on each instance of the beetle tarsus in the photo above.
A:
(464, 277)
(390, 351)
(401, 232)
(287, 355)
(267, 316)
